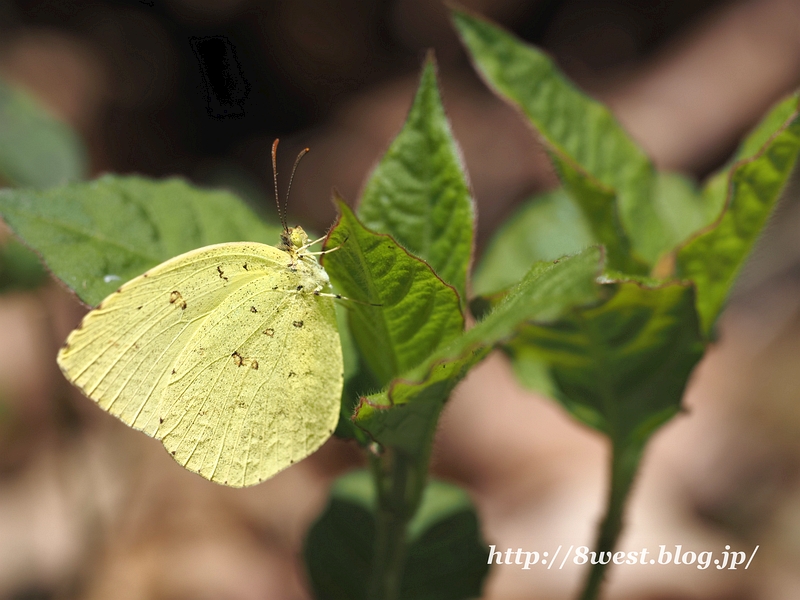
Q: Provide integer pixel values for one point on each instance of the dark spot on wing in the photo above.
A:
(269, 331)
(292, 374)
(221, 274)
(173, 371)
(139, 307)
(160, 420)
(253, 309)
(297, 323)
(299, 287)
(237, 359)
(176, 299)
(244, 266)
(172, 452)
(254, 365)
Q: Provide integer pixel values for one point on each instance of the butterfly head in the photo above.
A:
(294, 239)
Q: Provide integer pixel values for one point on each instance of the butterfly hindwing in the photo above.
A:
(266, 340)
(197, 352)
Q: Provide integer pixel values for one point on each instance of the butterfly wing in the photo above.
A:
(266, 340)
(181, 353)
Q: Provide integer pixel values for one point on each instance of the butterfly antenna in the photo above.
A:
(281, 211)
(303, 152)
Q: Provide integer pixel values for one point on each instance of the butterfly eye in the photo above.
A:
(298, 237)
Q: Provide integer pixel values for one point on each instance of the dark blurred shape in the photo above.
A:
(32, 593)
(224, 84)
(595, 36)
(279, 68)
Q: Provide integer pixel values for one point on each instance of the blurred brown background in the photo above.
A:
(90, 509)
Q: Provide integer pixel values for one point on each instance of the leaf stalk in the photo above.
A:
(624, 465)
(399, 482)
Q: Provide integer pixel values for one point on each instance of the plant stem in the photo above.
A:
(624, 463)
(399, 483)
(389, 559)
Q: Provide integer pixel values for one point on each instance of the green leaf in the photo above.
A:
(36, 149)
(601, 167)
(682, 208)
(686, 211)
(622, 366)
(600, 207)
(19, 267)
(338, 547)
(418, 192)
(532, 371)
(773, 122)
(547, 227)
(713, 259)
(401, 311)
(99, 234)
(357, 378)
(446, 555)
(403, 416)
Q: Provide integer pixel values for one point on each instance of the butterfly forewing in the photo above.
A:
(120, 354)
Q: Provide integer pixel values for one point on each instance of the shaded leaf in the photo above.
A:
(601, 209)
(532, 371)
(36, 149)
(446, 554)
(621, 366)
(403, 416)
(118, 227)
(19, 267)
(357, 379)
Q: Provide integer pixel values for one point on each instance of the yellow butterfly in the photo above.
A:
(229, 354)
